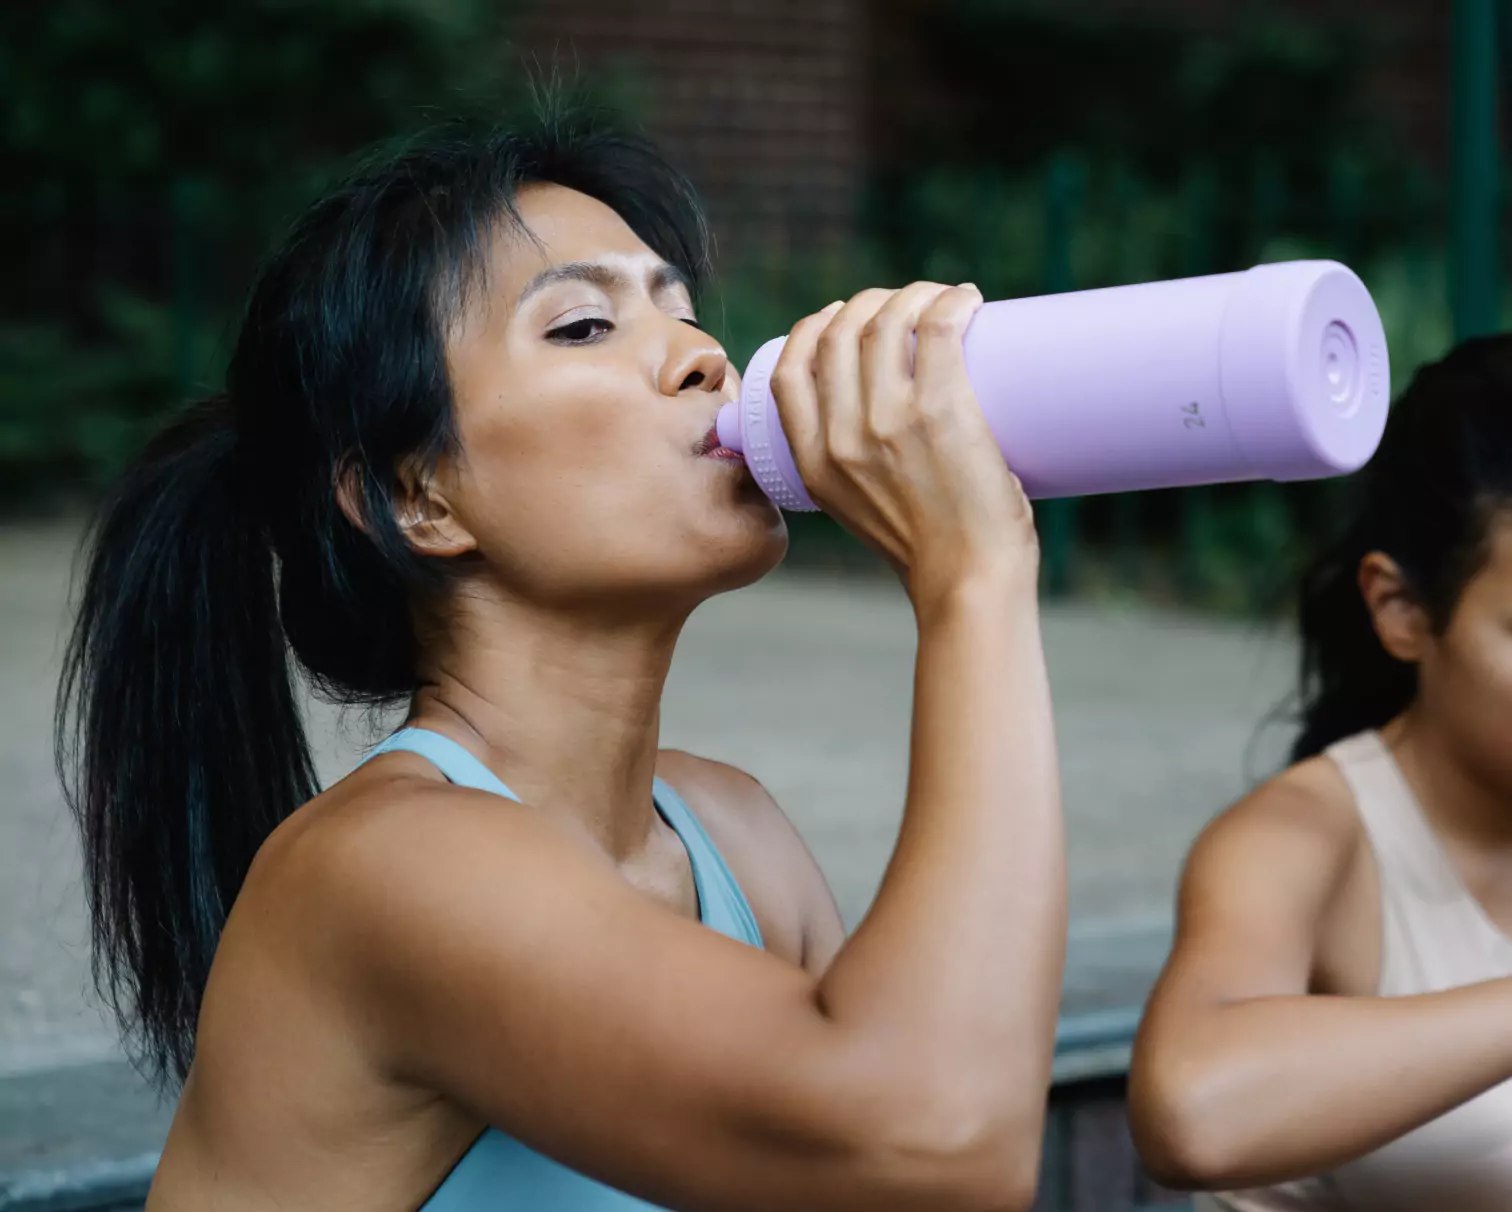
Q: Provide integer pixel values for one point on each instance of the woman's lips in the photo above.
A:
(709, 448)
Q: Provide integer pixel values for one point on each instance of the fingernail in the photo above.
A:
(968, 286)
(835, 304)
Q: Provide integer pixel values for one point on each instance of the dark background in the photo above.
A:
(152, 151)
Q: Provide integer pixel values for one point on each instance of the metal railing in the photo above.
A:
(97, 1186)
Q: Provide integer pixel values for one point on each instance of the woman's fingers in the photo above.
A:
(887, 352)
(860, 388)
(940, 355)
(837, 373)
(793, 389)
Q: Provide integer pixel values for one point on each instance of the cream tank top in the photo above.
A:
(1434, 936)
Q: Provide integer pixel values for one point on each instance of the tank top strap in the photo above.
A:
(451, 759)
(722, 905)
(1435, 934)
(1406, 848)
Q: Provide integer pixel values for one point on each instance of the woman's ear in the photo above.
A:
(348, 484)
(424, 517)
(1401, 623)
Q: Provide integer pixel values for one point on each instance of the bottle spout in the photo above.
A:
(727, 426)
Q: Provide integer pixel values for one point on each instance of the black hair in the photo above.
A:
(222, 551)
(1428, 499)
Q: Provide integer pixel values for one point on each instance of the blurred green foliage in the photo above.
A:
(250, 94)
(1060, 149)
(64, 406)
(153, 150)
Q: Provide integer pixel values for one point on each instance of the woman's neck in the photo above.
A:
(566, 710)
(1461, 806)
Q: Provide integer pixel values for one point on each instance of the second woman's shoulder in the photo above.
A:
(1298, 831)
(1310, 798)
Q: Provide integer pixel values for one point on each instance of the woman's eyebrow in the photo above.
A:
(667, 276)
(662, 276)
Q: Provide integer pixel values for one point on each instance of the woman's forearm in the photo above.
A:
(961, 954)
(1277, 1088)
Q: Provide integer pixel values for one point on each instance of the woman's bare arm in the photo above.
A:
(1241, 1077)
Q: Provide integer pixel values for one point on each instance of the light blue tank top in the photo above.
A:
(498, 1173)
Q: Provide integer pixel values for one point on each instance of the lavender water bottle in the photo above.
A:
(1275, 373)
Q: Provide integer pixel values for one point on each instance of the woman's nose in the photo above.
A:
(695, 362)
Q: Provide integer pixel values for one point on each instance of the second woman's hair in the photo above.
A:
(1442, 474)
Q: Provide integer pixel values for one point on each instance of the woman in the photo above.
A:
(1334, 1027)
(465, 458)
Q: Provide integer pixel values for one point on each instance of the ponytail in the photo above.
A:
(180, 745)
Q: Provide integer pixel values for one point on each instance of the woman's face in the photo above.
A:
(1465, 674)
(584, 394)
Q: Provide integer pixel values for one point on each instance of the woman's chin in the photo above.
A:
(745, 560)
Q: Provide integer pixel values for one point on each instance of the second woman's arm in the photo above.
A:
(1243, 1077)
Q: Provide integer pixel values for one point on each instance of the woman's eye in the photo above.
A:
(691, 322)
(580, 331)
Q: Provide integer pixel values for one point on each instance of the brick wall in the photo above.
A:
(1409, 77)
(776, 108)
(761, 102)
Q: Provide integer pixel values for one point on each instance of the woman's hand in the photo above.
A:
(890, 439)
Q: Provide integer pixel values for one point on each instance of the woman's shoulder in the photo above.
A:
(727, 800)
(1286, 877)
(378, 884)
(395, 831)
(392, 802)
(1308, 800)
(1297, 837)
(765, 853)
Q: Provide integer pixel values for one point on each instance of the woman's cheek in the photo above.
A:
(1481, 698)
